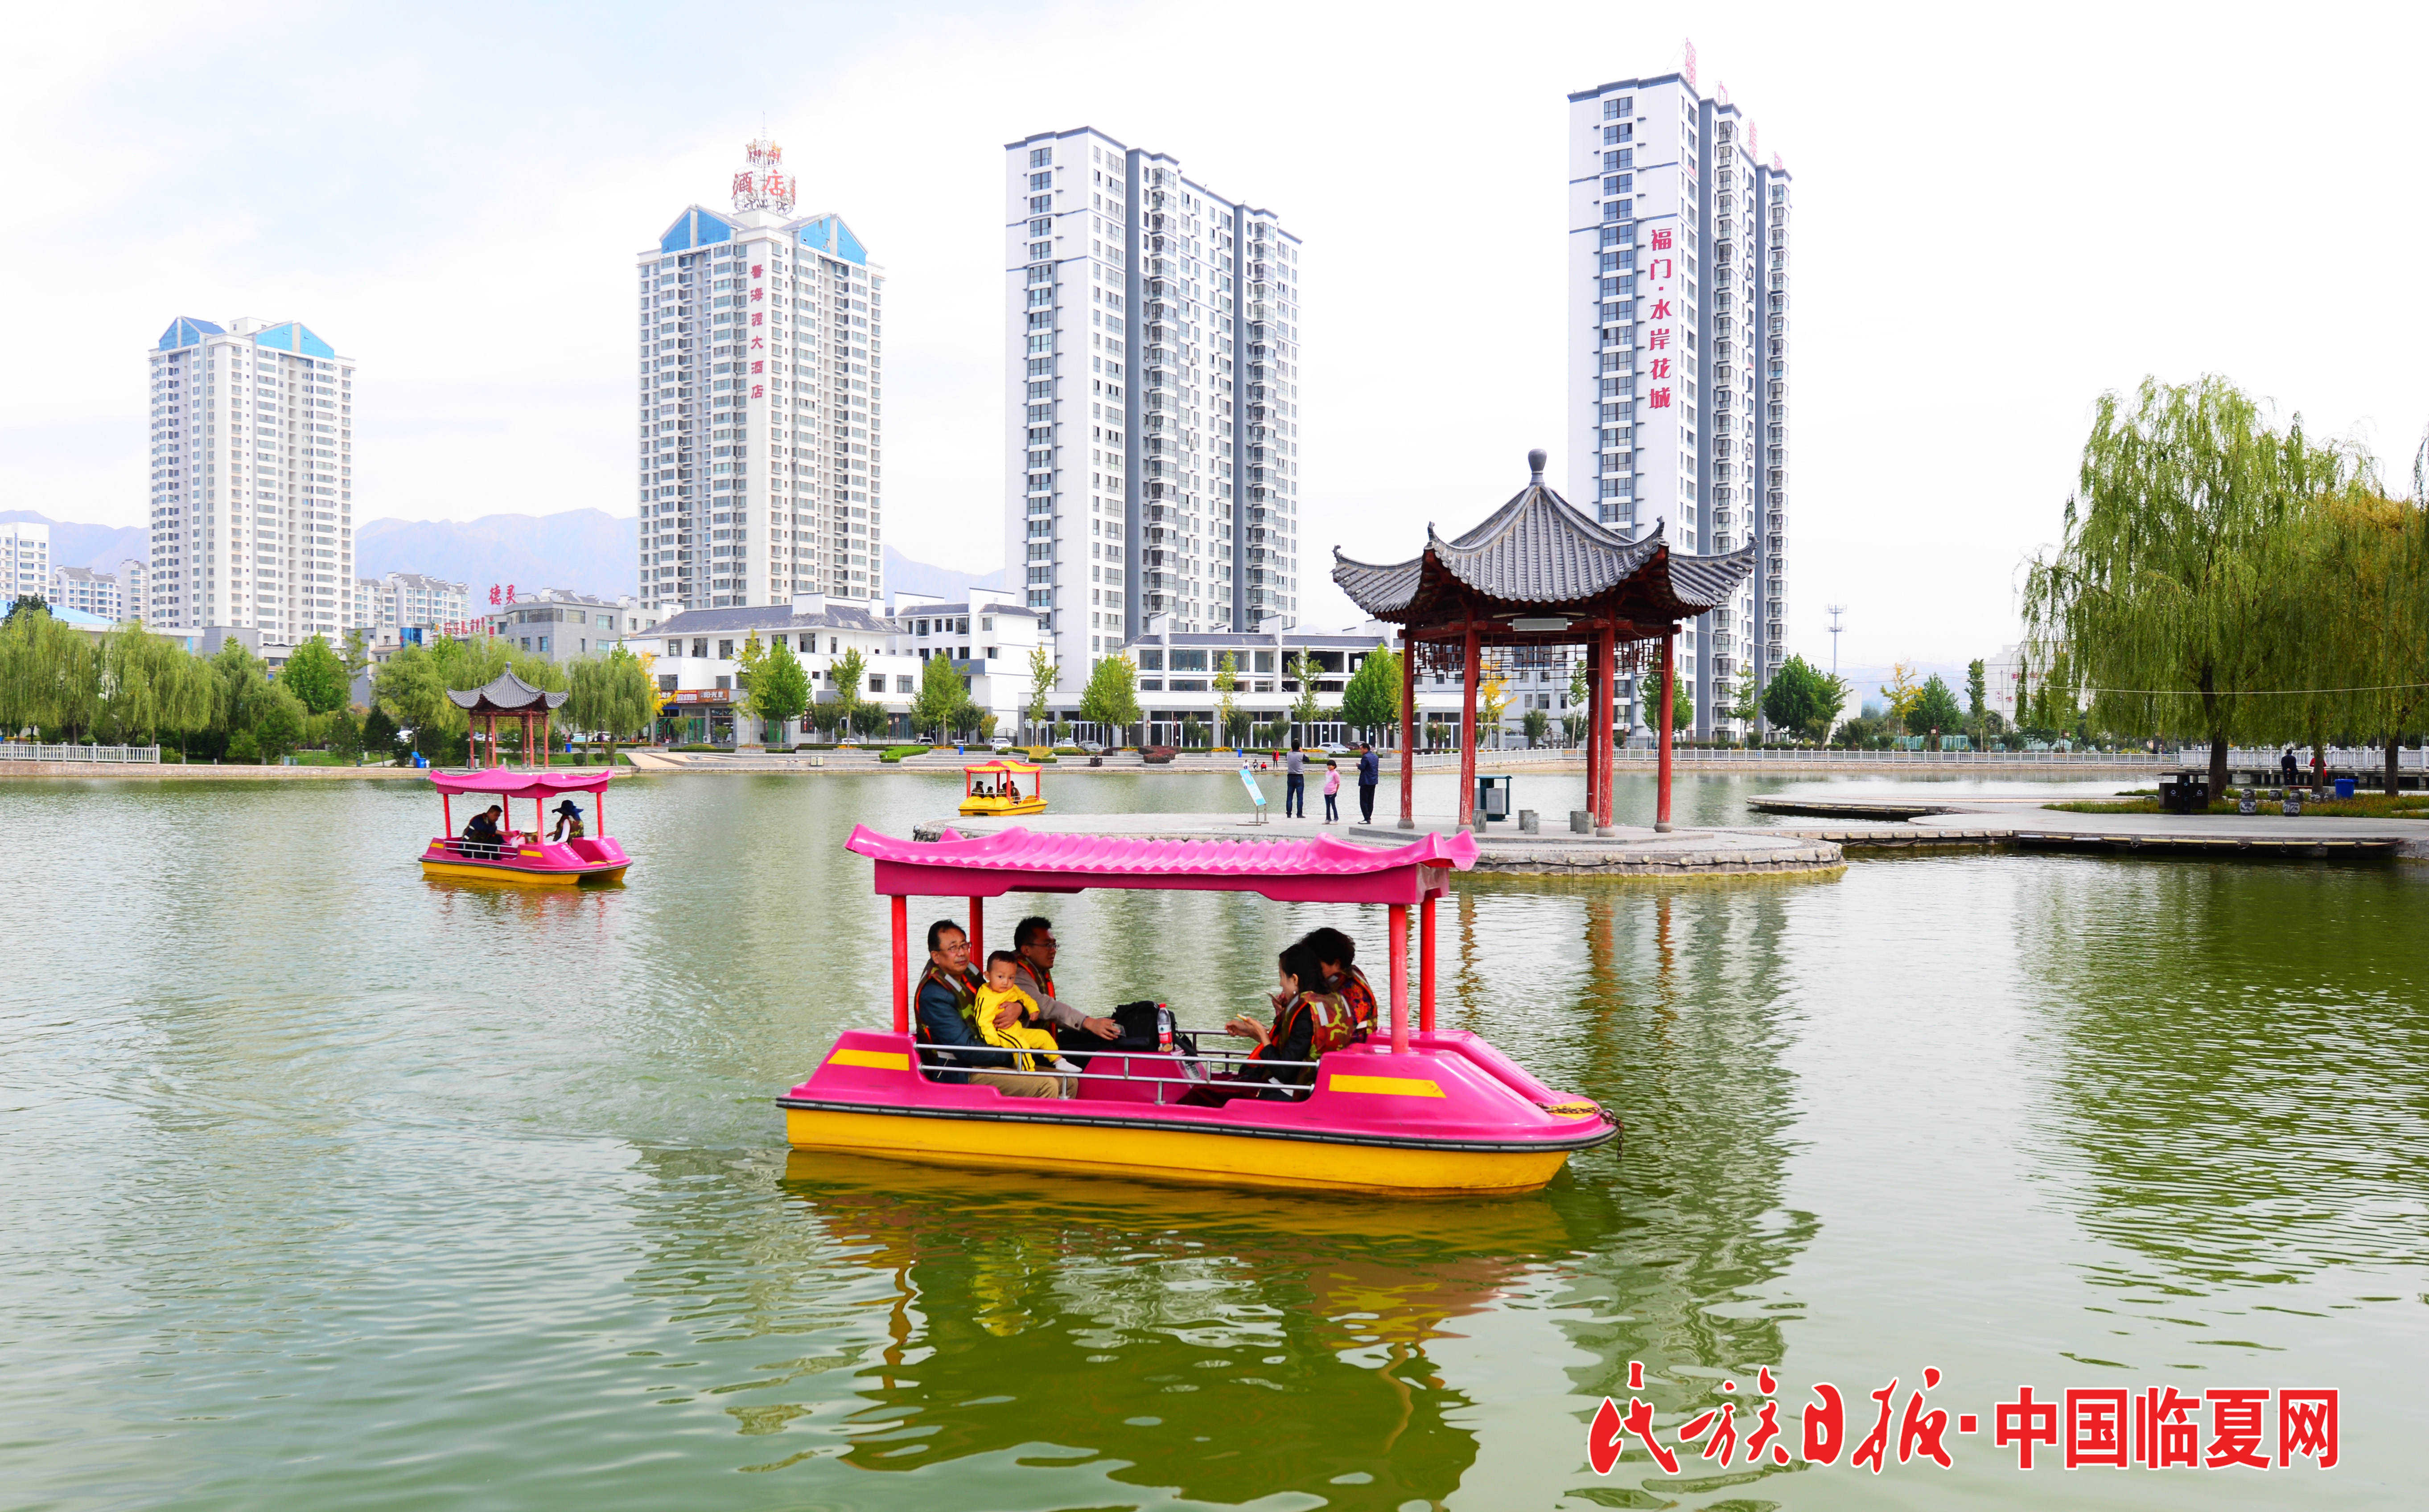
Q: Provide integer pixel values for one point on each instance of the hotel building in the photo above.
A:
(1151, 417)
(760, 407)
(1678, 274)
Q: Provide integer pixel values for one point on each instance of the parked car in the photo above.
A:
(1336, 749)
(1000, 743)
(1092, 748)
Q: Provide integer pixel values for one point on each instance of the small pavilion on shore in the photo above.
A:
(507, 697)
(1535, 578)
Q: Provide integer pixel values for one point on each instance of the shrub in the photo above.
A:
(895, 753)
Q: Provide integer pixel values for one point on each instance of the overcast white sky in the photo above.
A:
(2000, 213)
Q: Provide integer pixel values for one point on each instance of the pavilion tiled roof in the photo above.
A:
(509, 694)
(1539, 549)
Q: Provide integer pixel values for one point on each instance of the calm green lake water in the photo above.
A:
(326, 1187)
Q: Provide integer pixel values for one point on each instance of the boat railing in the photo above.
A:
(481, 849)
(1199, 1068)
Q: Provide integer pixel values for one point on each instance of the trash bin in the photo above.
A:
(2183, 792)
(2344, 787)
(1493, 797)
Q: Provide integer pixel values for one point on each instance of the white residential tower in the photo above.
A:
(760, 456)
(1678, 350)
(1151, 418)
(253, 514)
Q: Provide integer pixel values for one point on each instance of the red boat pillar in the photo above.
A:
(1400, 912)
(901, 908)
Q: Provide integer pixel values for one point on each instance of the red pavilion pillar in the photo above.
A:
(1408, 732)
(1669, 679)
(1469, 670)
(1605, 679)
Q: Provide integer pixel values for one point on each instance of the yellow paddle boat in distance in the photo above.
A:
(1003, 786)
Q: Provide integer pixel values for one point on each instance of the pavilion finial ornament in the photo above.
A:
(1535, 463)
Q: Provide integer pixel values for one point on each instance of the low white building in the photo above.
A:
(695, 655)
(1177, 673)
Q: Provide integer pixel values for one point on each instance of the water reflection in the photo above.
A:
(1183, 1333)
(2237, 1078)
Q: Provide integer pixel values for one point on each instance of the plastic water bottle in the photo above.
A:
(1163, 1029)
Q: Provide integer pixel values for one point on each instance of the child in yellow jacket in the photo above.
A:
(1008, 1017)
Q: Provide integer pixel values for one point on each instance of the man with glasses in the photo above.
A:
(1033, 941)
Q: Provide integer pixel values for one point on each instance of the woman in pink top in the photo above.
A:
(1332, 794)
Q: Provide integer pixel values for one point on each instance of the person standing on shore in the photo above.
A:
(1370, 776)
(1295, 784)
(1332, 793)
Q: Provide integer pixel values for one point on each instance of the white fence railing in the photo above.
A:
(27, 750)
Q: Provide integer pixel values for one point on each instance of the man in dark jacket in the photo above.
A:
(950, 1045)
(1370, 776)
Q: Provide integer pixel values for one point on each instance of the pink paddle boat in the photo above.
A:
(1436, 1112)
(525, 858)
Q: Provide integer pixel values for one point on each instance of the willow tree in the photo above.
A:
(2359, 674)
(2162, 593)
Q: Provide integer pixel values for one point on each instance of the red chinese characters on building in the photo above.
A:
(758, 294)
(1658, 368)
(757, 271)
(1660, 238)
(493, 593)
(758, 391)
(758, 316)
(1657, 399)
(510, 593)
(758, 367)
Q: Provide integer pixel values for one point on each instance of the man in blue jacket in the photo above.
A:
(950, 1045)
(1370, 776)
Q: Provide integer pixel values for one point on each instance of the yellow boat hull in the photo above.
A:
(998, 808)
(462, 871)
(1175, 1154)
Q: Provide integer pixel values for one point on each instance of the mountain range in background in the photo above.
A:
(99, 547)
(585, 550)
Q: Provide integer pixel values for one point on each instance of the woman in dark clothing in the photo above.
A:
(1308, 1021)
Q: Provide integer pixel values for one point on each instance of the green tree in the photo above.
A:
(2161, 589)
(1976, 693)
(1748, 702)
(1044, 676)
(276, 722)
(609, 695)
(1227, 686)
(1802, 700)
(1111, 698)
(1304, 707)
(380, 737)
(780, 690)
(1237, 728)
(1899, 694)
(1682, 704)
(354, 653)
(315, 675)
(941, 697)
(1371, 700)
(411, 687)
(50, 675)
(1935, 709)
(1538, 724)
(849, 675)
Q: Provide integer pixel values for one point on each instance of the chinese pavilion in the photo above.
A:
(508, 697)
(1535, 579)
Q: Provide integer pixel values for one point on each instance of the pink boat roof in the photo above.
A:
(1317, 870)
(523, 784)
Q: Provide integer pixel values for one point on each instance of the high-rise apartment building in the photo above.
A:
(87, 591)
(25, 559)
(760, 405)
(253, 514)
(402, 599)
(1151, 368)
(135, 588)
(1679, 351)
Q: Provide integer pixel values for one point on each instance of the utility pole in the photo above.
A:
(1836, 610)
